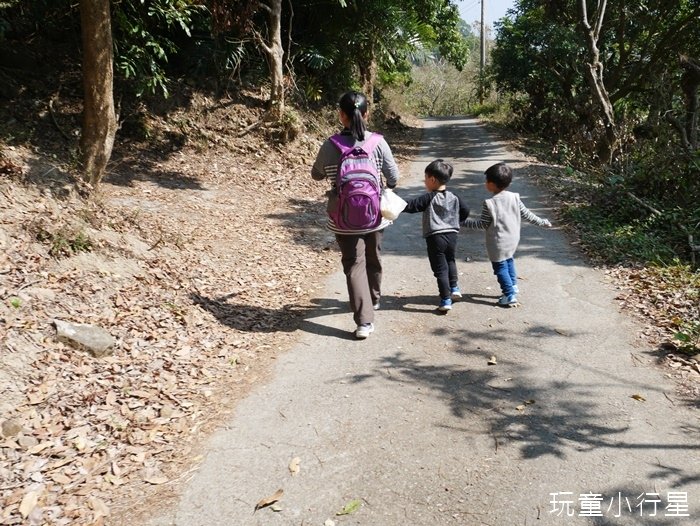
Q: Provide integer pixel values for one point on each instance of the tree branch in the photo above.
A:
(600, 14)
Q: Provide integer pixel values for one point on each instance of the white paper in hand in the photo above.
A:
(391, 204)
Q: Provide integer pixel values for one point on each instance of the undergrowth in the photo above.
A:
(621, 219)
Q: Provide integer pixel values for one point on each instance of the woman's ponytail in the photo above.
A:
(354, 105)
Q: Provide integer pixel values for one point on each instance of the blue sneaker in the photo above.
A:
(455, 293)
(508, 301)
(445, 304)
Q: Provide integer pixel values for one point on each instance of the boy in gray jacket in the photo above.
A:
(443, 212)
(500, 217)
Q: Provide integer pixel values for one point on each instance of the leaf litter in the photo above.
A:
(182, 274)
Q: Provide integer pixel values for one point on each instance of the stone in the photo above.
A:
(94, 340)
(27, 441)
(10, 428)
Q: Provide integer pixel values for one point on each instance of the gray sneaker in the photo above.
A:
(364, 330)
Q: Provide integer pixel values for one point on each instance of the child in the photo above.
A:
(500, 217)
(443, 212)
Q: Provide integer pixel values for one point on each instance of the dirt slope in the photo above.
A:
(196, 259)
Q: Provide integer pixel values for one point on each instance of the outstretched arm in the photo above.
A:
(528, 216)
(463, 210)
(482, 223)
(418, 204)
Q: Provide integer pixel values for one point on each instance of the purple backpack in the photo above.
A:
(358, 185)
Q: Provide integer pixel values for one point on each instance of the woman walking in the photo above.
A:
(359, 236)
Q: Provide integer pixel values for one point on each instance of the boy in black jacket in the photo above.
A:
(443, 212)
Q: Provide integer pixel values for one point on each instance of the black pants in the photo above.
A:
(441, 253)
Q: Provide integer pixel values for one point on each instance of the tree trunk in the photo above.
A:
(690, 83)
(99, 119)
(368, 72)
(594, 76)
(275, 55)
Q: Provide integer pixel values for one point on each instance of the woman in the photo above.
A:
(360, 249)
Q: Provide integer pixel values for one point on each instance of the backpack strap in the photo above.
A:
(368, 147)
(338, 143)
(371, 143)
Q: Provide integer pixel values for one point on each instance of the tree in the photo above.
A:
(99, 119)
(240, 15)
(594, 74)
(357, 40)
(690, 84)
(274, 51)
(556, 53)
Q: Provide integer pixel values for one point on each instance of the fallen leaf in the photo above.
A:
(350, 507)
(153, 476)
(639, 397)
(492, 361)
(270, 500)
(525, 404)
(99, 507)
(28, 503)
(294, 466)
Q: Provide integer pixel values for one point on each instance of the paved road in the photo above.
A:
(415, 424)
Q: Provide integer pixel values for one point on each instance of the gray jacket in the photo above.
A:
(501, 218)
(442, 210)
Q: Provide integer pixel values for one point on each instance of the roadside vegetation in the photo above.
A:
(610, 97)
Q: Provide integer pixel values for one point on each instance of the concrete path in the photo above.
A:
(416, 425)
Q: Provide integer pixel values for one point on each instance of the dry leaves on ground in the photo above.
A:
(200, 265)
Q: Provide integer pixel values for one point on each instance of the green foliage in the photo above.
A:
(331, 42)
(541, 52)
(539, 63)
(63, 240)
(688, 336)
(15, 302)
(145, 36)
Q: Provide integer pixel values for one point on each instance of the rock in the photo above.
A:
(696, 357)
(10, 428)
(95, 340)
(27, 441)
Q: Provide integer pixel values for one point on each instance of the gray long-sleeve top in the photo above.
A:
(501, 218)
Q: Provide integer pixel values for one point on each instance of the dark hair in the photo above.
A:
(354, 105)
(499, 174)
(441, 170)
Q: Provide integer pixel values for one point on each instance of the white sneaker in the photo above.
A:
(364, 330)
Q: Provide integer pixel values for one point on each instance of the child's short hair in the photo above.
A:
(499, 174)
(441, 170)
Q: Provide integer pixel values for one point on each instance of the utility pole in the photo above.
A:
(482, 63)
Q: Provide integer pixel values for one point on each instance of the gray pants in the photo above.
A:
(361, 258)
